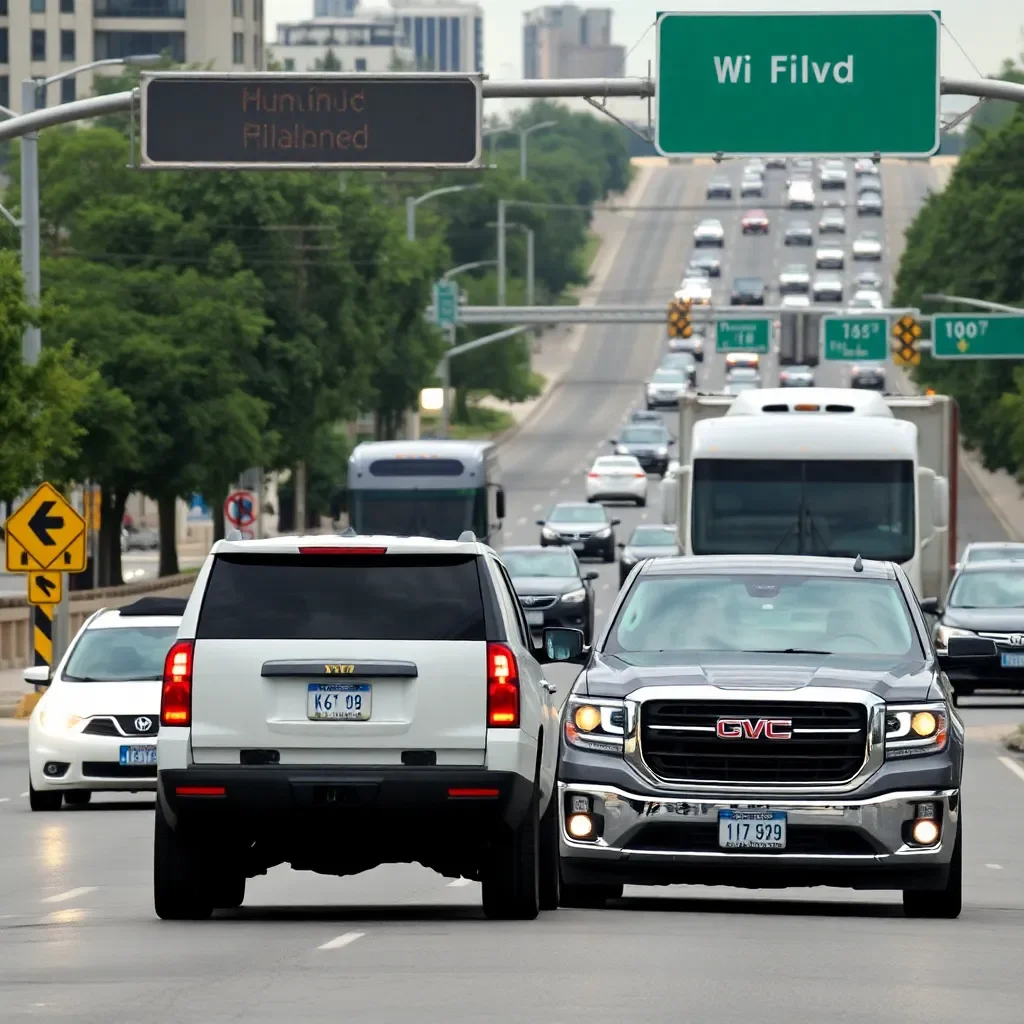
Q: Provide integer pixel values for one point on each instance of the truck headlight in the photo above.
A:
(575, 596)
(943, 633)
(597, 725)
(548, 534)
(663, 451)
(913, 729)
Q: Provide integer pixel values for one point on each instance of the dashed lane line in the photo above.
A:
(1014, 767)
(342, 940)
(63, 897)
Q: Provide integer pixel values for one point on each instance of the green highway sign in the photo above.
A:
(742, 336)
(852, 338)
(446, 303)
(822, 84)
(969, 336)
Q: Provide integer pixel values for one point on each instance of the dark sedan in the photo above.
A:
(647, 542)
(747, 291)
(650, 445)
(868, 376)
(700, 263)
(799, 232)
(585, 528)
(985, 600)
(552, 588)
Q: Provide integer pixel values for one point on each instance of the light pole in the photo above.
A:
(30, 90)
(462, 267)
(523, 133)
(997, 307)
(411, 202)
(503, 225)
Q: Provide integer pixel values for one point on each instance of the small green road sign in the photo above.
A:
(852, 338)
(742, 336)
(822, 84)
(446, 303)
(992, 336)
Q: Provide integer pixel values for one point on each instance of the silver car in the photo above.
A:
(709, 232)
(827, 288)
(795, 280)
(828, 258)
(867, 246)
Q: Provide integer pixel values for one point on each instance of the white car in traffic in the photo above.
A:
(829, 258)
(96, 725)
(800, 196)
(867, 246)
(827, 288)
(696, 289)
(867, 299)
(617, 478)
(709, 232)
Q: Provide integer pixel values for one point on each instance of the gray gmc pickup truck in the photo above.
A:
(763, 722)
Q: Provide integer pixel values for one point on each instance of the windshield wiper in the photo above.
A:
(787, 650)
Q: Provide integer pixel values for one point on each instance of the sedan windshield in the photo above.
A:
(647, 435)
(553, 562)
(996, 554)
(653, 537)
(669, 375)
(783, 614)
(992, 588)
(128, 654)
(578, 514)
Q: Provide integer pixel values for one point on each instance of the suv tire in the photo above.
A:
(511, 880)
(43, 800)
(940, 903)
(230, 892)
(180, 892)
(589, 897)
(78, 797)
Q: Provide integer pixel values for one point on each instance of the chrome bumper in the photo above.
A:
(880, 820)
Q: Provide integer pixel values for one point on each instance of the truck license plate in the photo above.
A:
(752, 830)
(578, 545)
(339, 702)
(1012, 660)
(138, 755)
(535, 618)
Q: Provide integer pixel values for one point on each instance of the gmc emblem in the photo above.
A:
(754, 729)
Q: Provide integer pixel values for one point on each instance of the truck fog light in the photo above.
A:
(580, 826)
(925, 832)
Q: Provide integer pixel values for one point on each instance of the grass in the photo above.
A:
(591, 249)
(484, 424)
(1015, 741)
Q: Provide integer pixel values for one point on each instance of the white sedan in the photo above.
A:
(709, 232)
(617, 478)
(96, 725)
(867, 246)
(827, 258)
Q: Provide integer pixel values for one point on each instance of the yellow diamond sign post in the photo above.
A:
(48, 534)
(45, 588)
(906, 347)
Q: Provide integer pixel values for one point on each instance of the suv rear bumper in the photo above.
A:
(851, 843)
(266, 798)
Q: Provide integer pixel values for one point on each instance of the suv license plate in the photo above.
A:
(138, 755)
(1012, 660)
(339, 702)
(752, 830)
(578, 545)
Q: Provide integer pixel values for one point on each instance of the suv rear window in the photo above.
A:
(315, 597)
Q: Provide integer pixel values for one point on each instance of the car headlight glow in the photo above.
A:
(56, 722)
(601, 534)
(943, 633)
(547, 532)
(663, 451)
(598, 725)
(621, 449)
(915, 729)
(575, 596)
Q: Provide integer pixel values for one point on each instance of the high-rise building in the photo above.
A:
(40, 38)
(365, 40)
(444, 35)
(566, 41)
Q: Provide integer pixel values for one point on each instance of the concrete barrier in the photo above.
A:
(15, 652)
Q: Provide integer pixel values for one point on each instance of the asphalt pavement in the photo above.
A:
(79, 940)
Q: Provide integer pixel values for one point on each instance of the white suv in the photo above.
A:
(336, 703)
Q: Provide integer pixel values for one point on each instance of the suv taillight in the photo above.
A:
(502, 688)
(176, 696)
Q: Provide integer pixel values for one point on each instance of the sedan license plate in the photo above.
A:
(578, 545)
(138, 755)
(339, 702)
(752, 830)
(535, 618)
(1012, 660)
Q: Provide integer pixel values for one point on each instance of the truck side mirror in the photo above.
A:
(969, 647)
(930, 606)
(499, 501)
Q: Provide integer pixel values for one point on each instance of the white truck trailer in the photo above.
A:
(819, 471)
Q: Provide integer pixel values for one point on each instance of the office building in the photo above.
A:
(444, 36)
(363, 40)
(40, 38)
(567, 41)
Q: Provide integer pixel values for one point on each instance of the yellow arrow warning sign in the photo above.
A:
(49, 532)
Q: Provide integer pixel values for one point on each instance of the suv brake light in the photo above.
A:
(176, 696)
(502, 688)
(342, 551)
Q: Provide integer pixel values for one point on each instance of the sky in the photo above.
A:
(987, 30)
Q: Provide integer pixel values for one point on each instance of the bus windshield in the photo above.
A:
(831, 508)
(441, 514)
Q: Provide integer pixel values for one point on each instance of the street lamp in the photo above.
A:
(29, 223)
(411, 202)
(462, 267)
(522, 133)
(502, 225)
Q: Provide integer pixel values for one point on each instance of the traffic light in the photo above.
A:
(906, 350)
(679, 325)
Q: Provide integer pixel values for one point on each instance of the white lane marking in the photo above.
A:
(564, 482)
(537, 508)
(458, 883)
(4, 799)
(342, 940)
(995, 867)
(61, 897)
(522, 521)
(604, 586)
(23, 794)
(1014, 767)
(554, 493)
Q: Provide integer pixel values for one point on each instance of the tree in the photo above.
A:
(328, 62)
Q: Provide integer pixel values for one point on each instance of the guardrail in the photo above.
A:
(15, 652)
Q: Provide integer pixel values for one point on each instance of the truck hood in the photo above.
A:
(906, 679)
(988, 620)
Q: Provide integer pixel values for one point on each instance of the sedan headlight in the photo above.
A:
(663, 451)
(548, 534)
(601, 534)
(943, 633)
(913, 729)
(575, 596)
(56, 722)
(621, 449)
(598, 725)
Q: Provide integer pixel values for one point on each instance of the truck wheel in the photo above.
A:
(180, 891)
(550, 876)
(78, 797)
(511, 882)
(230, 892)
(641, 503)
(42, 800)
(589, 897)
(940, 903)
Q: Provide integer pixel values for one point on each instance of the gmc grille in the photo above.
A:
(678, 742)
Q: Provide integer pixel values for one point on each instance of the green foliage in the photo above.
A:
(969, 240)
(993, 114)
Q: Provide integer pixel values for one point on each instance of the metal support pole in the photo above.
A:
(444, 372)
(502, 265)
(522, 153)
(61, 626)
(32, 342)
(531, 271)
(410, 218)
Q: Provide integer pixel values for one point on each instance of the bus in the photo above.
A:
(427, 488)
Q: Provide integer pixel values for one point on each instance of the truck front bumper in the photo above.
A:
(674, 840)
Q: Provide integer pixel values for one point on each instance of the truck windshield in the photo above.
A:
(441, 514)
(790, 507)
